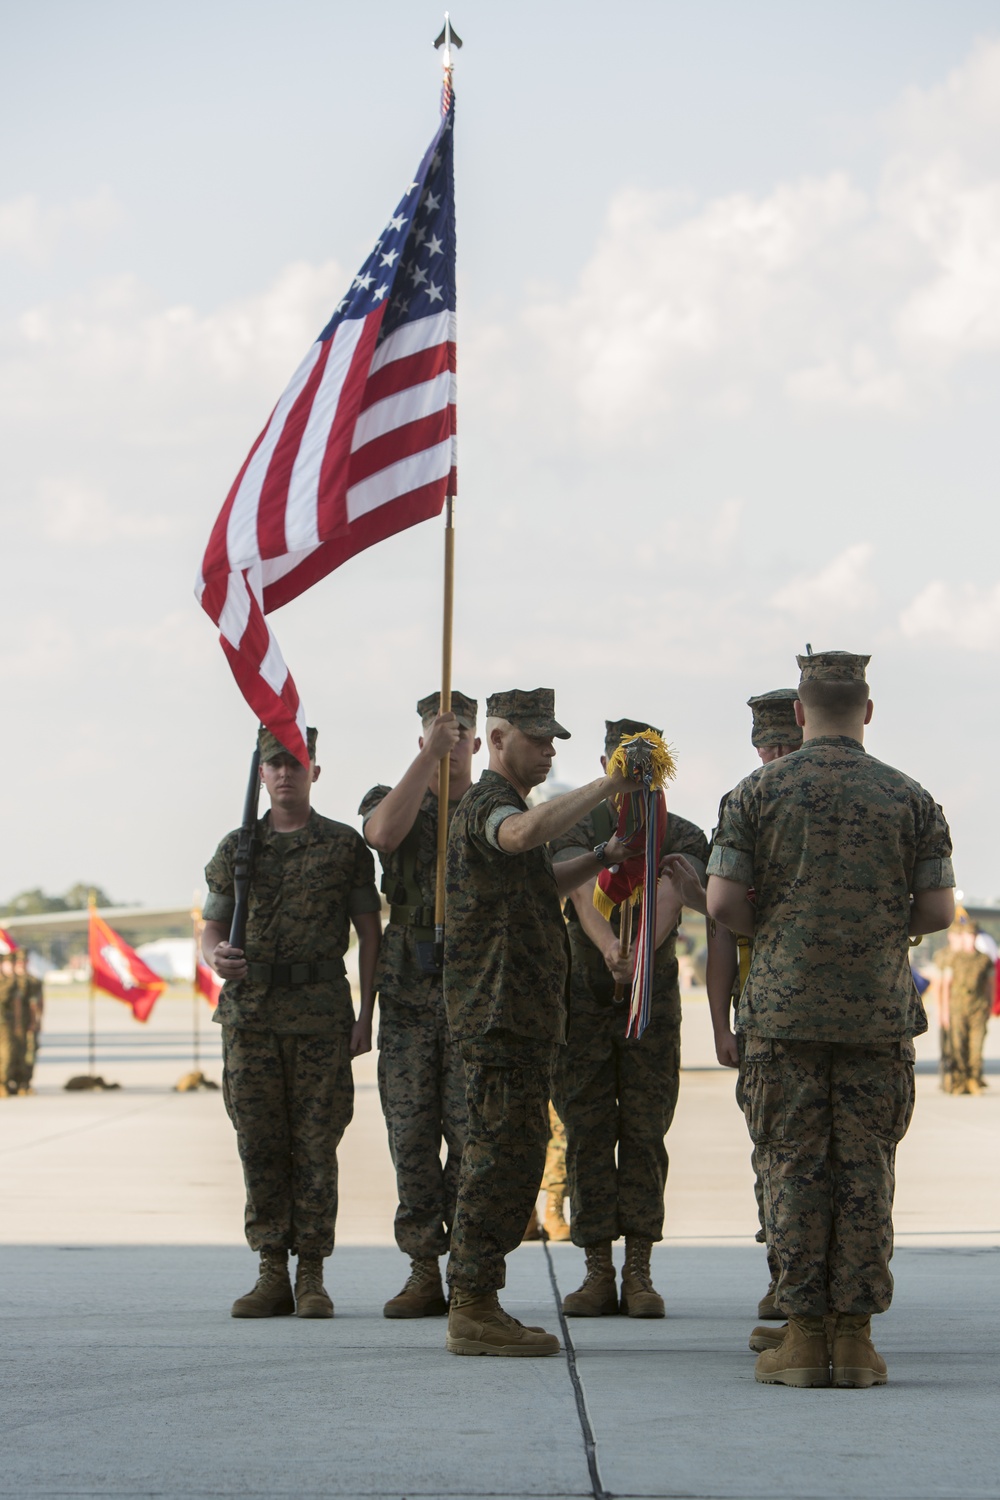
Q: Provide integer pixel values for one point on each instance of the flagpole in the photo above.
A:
(196, 1016)
(446, 39)
(92, 1003)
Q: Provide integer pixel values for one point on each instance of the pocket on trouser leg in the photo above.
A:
(897, 1101)
(763, 1093)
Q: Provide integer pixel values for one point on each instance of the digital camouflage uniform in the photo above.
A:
(773, 724)
(8, 1030)
(421, 1076)
(27, 1020)
(832, 842)
(970, 1001)
(287, 1077)
(506, 963)
(613, 1092)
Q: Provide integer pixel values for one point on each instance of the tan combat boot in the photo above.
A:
(312, 1299)
(762, 1338)
(640, 1299)
(766, 1308)
(856, 1361)
(272, 1296)
(422, 1296)
(801, 1359)
(554, 1222)
(479, 1325)
(532, 1231)
(597, 1297)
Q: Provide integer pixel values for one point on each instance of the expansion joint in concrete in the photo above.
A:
(589, 1441)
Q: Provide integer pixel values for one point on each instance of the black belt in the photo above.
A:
(304, 973)
(412, 916)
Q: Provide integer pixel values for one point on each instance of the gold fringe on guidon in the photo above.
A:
(662, 756)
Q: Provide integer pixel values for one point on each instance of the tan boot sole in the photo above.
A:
(848, 1377)
(801, 1379)
(653, 1310)
(505, 1351)
(312, 1309)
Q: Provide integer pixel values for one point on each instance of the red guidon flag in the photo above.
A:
(7, 943)
(118, 970)
(207, 983)
(360, 445)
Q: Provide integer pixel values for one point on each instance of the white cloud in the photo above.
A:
(842, 587)
(955, 615)
(32, 230)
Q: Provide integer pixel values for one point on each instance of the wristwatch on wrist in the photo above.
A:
(599, 853)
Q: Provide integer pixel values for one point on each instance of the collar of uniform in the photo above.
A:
(304, 835)
(846, 741)
(493, 778)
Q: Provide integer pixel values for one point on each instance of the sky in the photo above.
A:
(729, 361)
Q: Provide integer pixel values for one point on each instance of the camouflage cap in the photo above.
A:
(532, 710)
(270, 746)
(615, 730)
(774, 718)
(466, 710)
(962, 922)
(832, 666)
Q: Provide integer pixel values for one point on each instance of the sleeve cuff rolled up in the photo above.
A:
(731, 864)
(933, 875)
(218, 908)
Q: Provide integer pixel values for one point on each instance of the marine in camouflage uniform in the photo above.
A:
(613, 1092)
(421, 1076)
(8, 1039)
(774, 733)
(26, 1023)
(967, 978)
(288, 1025)
(846, 857)
(506, 967)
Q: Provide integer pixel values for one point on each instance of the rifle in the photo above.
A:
(245, 849)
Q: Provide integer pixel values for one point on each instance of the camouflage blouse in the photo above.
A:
(971, 975)
(400, 979)
(833, 842)
(306, 887)
(589, 969)
(506, 955)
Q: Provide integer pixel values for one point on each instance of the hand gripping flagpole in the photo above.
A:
(448, 38)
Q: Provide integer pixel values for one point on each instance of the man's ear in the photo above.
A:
(800, 713)
(476, 745)
(420, 741)
(869, 711)
(315, 772)
(604, 762)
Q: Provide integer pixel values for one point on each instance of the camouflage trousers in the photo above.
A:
(554, 1175)
(758, 1186)
(290, 1098)
(12, 1056)
(421, 1083)
(966, 1033)
(612, 1093)
(826, 1119)
(507, 1088)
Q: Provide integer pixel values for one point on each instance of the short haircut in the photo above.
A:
(492, 722)
(833, 700)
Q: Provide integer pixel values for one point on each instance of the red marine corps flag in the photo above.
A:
(7, 943)
(118, 970)
(360, 445)
(207, 983)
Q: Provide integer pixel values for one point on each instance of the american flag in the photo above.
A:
(360, 445)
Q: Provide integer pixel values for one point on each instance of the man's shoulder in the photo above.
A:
(683, 835)
(372, 798)
(330, 831)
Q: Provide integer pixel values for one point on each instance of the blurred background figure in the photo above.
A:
(966, 985)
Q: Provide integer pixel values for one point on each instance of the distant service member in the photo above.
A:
(288, 1025)
(966, 998)
(847, 859)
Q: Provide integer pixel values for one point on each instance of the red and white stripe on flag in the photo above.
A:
(360, 445)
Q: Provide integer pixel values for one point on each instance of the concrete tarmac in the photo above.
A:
(123, 1375)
